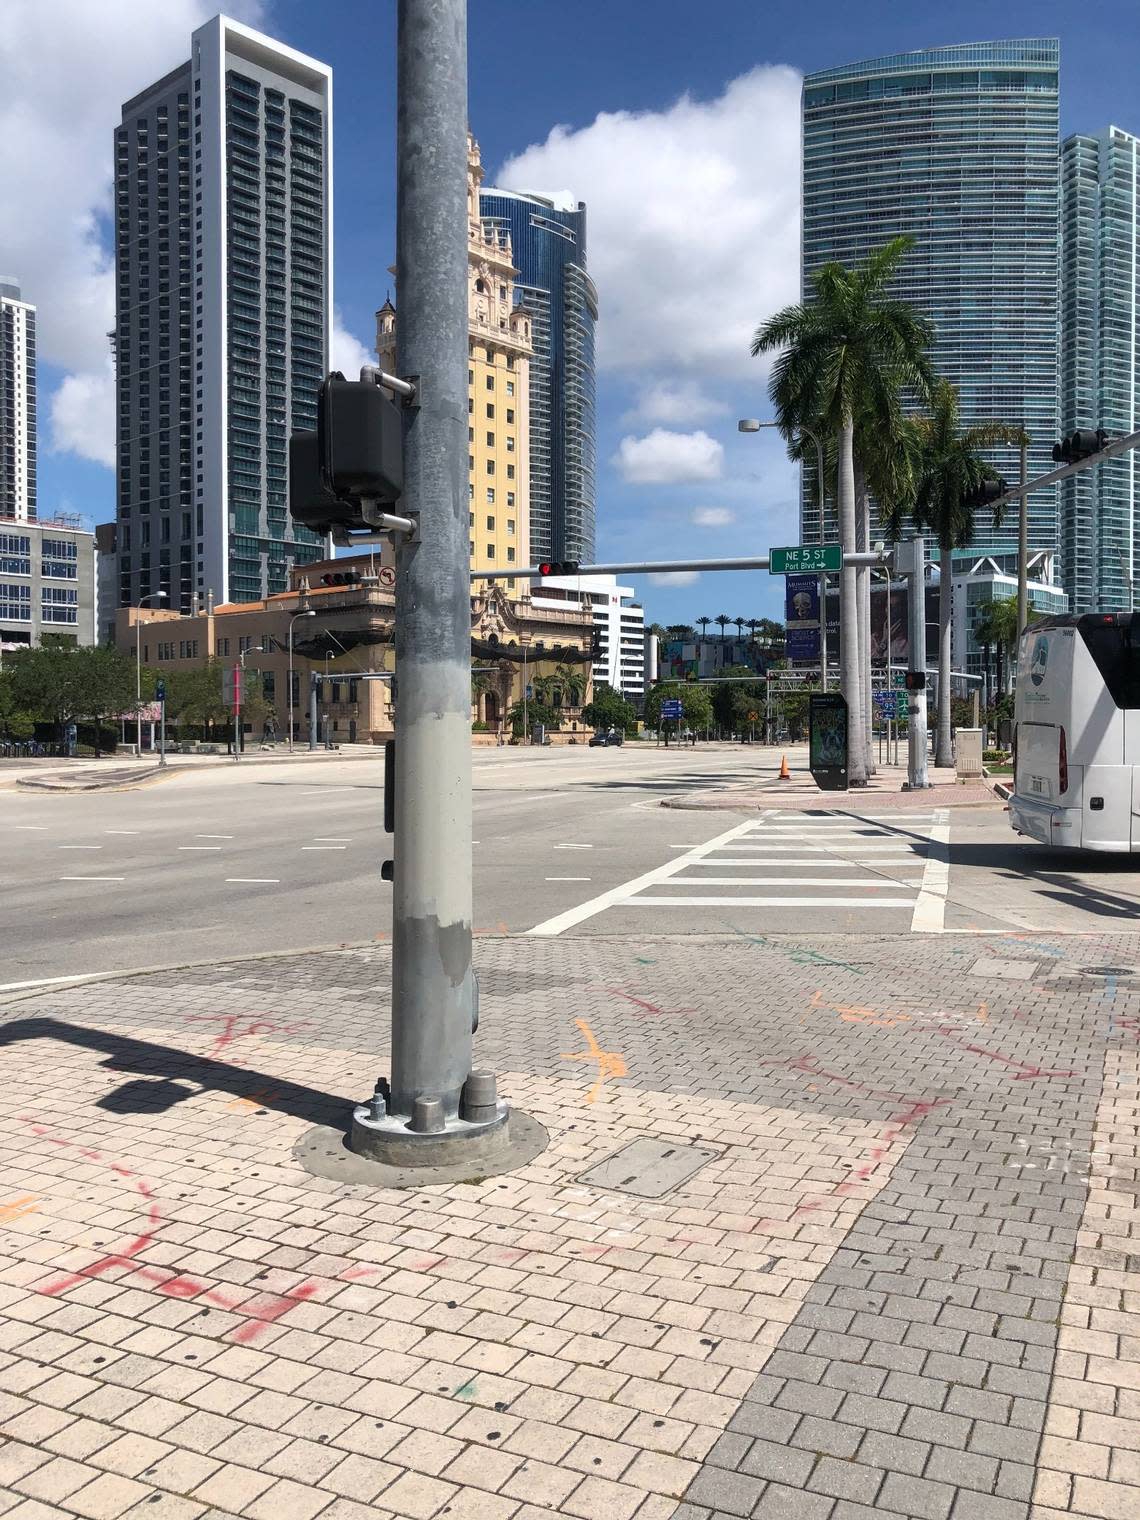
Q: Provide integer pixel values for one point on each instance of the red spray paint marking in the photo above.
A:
(648, 1007)
(260, 1312)
(1025, 1071)
(232, 1029)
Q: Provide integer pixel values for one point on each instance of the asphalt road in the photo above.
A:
(224, 862)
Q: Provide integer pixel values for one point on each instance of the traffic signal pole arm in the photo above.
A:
(664, 566)
(1111, 449)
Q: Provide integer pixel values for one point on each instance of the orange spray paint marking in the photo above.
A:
(610, 1063)
(266, 1310)
(236, 1027)
(27, 1203)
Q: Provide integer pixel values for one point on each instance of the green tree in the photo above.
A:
(16, 722)
(194, 696)
(608, 709)
(60, 684)
(696, 707)
(524, 716)
(732, 701)
(108, 679)
(569, 685)
(997, 625)
(947, 466)
(703, 625)
(849, 351)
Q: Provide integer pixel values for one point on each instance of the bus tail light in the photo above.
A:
(1062, 763)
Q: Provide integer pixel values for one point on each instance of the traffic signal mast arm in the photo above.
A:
(663, 566)
(1111, 449)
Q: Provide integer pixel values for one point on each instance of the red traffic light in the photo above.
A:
(558, 567)
(915, 680)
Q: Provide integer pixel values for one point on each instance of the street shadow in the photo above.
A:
(163, 1070)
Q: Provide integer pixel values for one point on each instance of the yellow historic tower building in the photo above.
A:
(498, 374)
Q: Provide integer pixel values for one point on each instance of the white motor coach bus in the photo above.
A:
(1076, 740)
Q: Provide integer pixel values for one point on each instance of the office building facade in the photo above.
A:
(956, 146)
(619, 626)
(223, 172)
(17, 404)
(548, 245)
(47, 583)
(1100, 210)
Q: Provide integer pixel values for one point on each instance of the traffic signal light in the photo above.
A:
(558, 567)
(987, 492)
(915, 680)
(342, 578)
(356, 453)
(1079, 445)
(596, 644)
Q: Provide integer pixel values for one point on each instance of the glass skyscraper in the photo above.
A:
(223, 172)
(1100, 203)
(549, 250)
(17, 403)
(956, 146)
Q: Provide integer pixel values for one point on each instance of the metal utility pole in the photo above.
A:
(435, 1110)
(292, 621)
(1023, 546)
(915, 551)
(155, 596)
(313, 679)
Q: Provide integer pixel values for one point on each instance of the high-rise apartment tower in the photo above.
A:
(548, 244)
(17, 404)
(223, 175)
(1100, 220)
(956, 146)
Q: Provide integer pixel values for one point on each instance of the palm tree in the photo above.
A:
(570, 681)
(752, 625)
(741, 625)
(722, 621)
(847, 353)
(948, 470)
(997, 625)
(703, 625)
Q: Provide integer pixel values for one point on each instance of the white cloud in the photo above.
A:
(672, 401)
(67, 68)
(713, 517)
(83, 416)
(666, 458)
(693, 216)
(675, 578)
(349, 355)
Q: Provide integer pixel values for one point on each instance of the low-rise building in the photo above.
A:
(339, 617)
(47, 582)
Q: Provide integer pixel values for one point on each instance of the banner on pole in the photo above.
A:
(233, 686)
(801, 616)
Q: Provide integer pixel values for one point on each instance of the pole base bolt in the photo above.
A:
(427, 1116)
(479, 1100)
(377, 1108)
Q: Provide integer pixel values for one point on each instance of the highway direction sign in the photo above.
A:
(805, 558)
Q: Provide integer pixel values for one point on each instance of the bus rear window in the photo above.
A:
(1116, 649)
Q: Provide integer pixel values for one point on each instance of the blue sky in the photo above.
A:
(693, 236)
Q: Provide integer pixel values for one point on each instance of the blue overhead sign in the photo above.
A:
(671, 708)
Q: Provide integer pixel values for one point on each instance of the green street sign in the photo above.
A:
(805, 559)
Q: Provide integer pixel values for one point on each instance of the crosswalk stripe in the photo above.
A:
(766, 902)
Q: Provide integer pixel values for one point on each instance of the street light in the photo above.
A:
(292, 620)
(753, 425)
(155, 596)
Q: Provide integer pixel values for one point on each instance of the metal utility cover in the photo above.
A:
(650, 1168)
(1012, 971)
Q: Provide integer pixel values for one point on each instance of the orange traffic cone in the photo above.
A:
(785, 773)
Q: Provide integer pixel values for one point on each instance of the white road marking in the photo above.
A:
(930, 909)
(43, 981)
(331, 838)
(846, 863)
(39, 828)
(324, 847)
(122, 831)
(567, 878)
(263, 880)
(323, 791)
(833, 849)
(573, 846)
(769, 902)
(199, 847)
(213, 836)
(79, 846)
(92, 878)
(595, 905)
(789, 881)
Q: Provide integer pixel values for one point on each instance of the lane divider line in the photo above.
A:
(930, 909)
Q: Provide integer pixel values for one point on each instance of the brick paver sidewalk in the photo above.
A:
(905, 1283)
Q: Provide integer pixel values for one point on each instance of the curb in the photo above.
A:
(61, 784)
